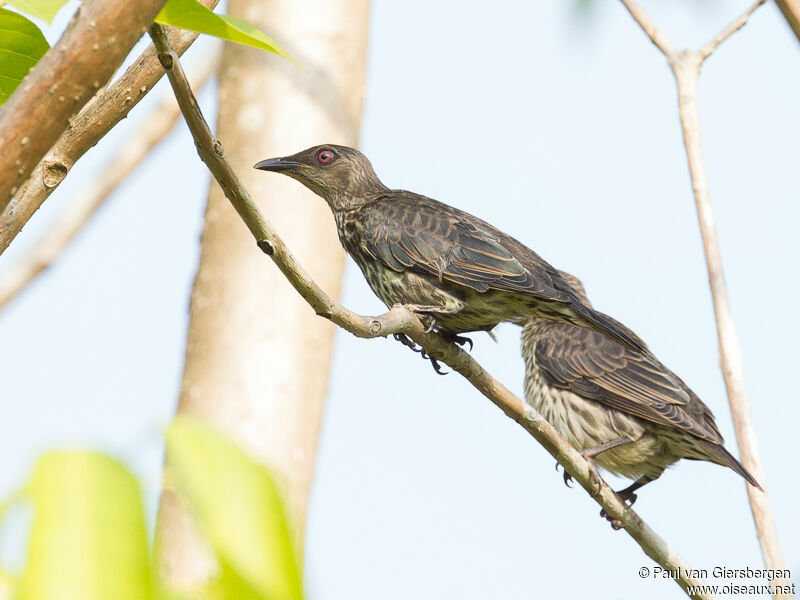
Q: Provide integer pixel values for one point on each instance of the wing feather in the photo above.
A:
(597, 368)
(420, 236)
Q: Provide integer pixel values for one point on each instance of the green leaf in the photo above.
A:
(195, 16)
(21, 47)
(45, 10)
(88, 540)
(240, 509)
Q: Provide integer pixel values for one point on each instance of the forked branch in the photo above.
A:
(90, 198)
(97, 118)
(685, 66)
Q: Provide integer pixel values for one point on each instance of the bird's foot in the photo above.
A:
(436, 365)
(429, 322)
(461, 340)
(407, 341)
(628, 498)
(594, 474)
(616, 524)
(425, 313)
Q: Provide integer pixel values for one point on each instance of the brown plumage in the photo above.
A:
(459, 271)
(596, 393)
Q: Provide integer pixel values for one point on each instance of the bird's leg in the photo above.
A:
(589, 454)
(628, 497)
(433, 308)
(423, 311)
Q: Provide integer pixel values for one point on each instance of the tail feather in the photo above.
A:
(723, 457)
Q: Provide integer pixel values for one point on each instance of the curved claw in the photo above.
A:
(406, 341)
(567, 479)
(431, 325)
(437, 367)
(461, 340)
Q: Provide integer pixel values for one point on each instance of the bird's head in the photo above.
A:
(341, 175)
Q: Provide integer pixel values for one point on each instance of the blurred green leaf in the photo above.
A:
(8, 585)
(195, 16)
(239, 507)
(45, 10)
(21, 47)
(88, 540)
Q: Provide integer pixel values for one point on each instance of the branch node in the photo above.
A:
(166, 60)
(218, 149)
(375, 327)
(266, 246)
(54, 173)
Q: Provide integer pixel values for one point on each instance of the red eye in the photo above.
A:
(324, 157)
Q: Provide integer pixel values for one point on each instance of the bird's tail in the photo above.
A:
(723, 457)
(588, 318)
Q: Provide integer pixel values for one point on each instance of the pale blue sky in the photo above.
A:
(557, 126)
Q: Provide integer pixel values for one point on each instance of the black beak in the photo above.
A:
(278, 165)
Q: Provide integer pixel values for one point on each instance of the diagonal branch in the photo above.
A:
(99, 37)
(723, 35)
(400, 320)
(90, 198)
(686, 69)
(654, 33)
(90, 125)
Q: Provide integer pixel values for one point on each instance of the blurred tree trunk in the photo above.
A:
(791, 12)
(257, 357)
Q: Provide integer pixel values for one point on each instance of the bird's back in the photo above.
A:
(407, 232)
(410, 231)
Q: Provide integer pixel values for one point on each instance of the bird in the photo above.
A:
(623, 410)
(456, 271)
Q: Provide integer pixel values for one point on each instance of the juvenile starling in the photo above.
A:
(455, 270)
(623, 410)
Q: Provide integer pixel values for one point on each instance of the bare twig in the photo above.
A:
(654, 33)
(88, 200)
(400, 320)
(686, 68)
(87, 128)
(98, 39)
(723, 35)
